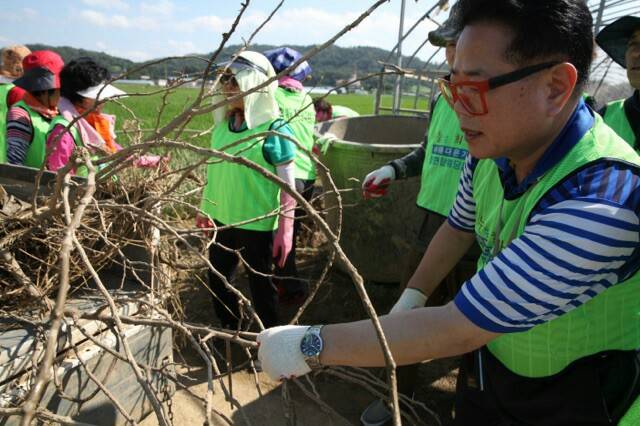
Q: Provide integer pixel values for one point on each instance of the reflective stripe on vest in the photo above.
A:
(616, 118)
(37, 148)
(444, 158)
(609, 321)
(236, 193)
(4, 95)
(297, 110)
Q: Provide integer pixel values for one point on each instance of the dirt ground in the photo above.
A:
(337, 301)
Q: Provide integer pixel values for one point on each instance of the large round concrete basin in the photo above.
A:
(376, 234)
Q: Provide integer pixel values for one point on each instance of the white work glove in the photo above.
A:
(279, 352)
(409, 299)
(325, 141)
(375, 183)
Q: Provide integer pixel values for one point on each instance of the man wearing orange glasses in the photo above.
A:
(550, 323)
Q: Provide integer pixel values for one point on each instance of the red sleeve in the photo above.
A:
(15, 95)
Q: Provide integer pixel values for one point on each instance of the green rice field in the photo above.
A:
(145, 102)
(147, 108)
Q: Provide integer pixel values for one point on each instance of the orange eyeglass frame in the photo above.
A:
(451, 93)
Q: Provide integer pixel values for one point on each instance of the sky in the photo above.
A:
(146, 29)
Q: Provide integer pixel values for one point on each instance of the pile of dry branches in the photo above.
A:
(30, 240)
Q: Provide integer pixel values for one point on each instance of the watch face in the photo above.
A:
(311, 344)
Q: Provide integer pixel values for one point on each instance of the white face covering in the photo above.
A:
(259, 106)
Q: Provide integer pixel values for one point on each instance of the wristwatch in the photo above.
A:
(311, 346)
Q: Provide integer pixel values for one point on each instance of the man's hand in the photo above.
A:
(410, 298)
(376, 183)
(280, 354)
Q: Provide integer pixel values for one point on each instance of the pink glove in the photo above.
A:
(203, 222)
(283, 240)
(150, 161)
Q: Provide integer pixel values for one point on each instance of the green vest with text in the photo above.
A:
(616, 118)
(234, 192)
(609, 321)
(297, 110)
(4, 94)
(444, 158)
(77, 140)
(37, 148)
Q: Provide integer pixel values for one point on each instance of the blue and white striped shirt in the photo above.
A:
(582, 237)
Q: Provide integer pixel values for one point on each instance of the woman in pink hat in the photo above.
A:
(28, 120)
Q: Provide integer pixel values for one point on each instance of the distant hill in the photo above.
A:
(332, 64)
(115, 65)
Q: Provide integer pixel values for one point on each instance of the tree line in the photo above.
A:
(329, 66)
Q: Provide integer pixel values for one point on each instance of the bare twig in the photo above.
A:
(44, 371)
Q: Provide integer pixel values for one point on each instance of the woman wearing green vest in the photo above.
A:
(296, 108)
(550, 324)
(255, 216)
(439, 162)
(621, 41)
(10, 70)
(83, 83)
(28, 120)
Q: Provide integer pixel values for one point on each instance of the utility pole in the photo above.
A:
(599, 16)
(397, 92)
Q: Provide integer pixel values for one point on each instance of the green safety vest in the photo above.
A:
(445, 154)
(236, 193)
(77, 140)
(37, 148)
(297, 110)
(616, 118)
(632, 416)
(609, 321)
(342, 111)
(4, 94)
